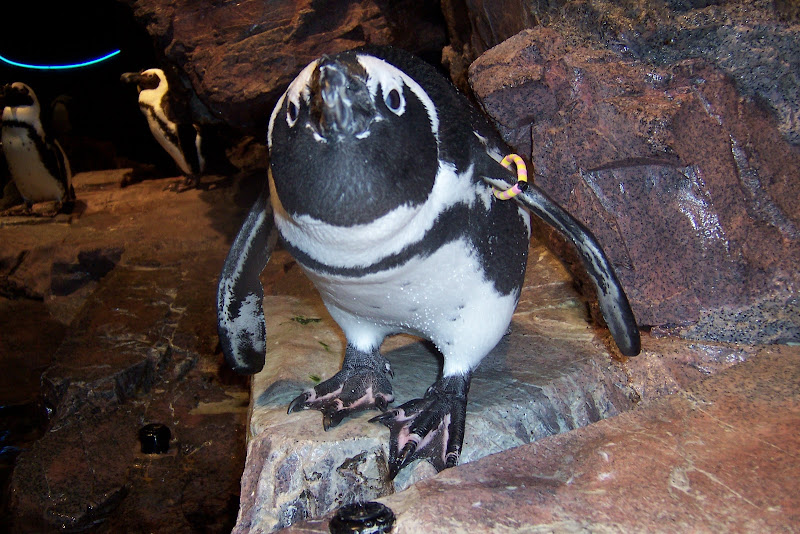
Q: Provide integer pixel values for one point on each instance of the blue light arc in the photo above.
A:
(61, 67)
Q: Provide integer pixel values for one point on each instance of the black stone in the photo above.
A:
(155, 438)
(362, 517)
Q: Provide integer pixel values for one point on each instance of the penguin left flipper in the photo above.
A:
(187, 140)
(430, 428)
(613, 303)
(240, 313)
(362, 384)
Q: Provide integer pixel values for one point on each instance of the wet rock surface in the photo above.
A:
(707, 459)
(115, 330)
(683, 179)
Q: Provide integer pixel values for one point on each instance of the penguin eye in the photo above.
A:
(291, 113)
(394, 101)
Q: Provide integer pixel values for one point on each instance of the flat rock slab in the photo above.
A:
(720, 456)
(550, 374)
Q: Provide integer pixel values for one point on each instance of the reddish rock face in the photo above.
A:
(240, 56)
(689, 186)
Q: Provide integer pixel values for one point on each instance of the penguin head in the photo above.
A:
(353, 138)
(19, 95)
(147, 80)
(20, 104)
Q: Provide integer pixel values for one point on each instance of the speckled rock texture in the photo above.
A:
(238, 57)
(107, 321)
(719, 456)
(550, 374)
(689, 183)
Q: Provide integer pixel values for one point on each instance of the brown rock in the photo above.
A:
(687, 184)
(136, 268)
(720, 456)
(239, 56)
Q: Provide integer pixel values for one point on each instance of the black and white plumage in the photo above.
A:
(169, 122)
(37, 163)
(378, 187)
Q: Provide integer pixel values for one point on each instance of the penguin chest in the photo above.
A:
(33, 179)
(443, 297)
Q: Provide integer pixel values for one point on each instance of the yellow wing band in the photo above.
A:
(522, 177)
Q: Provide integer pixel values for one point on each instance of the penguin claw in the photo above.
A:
(349, 391)
(189, 182)
(431, 428)
(299, 403)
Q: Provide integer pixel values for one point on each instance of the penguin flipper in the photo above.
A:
(430, 428)
(240, 313)
(361, 384)
(610, 295)
(187, 141)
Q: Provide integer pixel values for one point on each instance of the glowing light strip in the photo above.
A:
(60, 67)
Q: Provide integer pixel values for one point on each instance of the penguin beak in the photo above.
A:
(130, 77)
(143, 81)
(342, 102)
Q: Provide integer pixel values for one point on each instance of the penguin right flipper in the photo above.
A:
(610, 295)
(240, 314)
(362, 384)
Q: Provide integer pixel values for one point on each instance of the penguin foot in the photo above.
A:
(189, 182)
(362, 384)
(430, 428)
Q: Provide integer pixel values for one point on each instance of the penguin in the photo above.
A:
(173, 130)
(37, 163)
(380, 185)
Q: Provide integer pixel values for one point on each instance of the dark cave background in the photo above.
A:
(108, 130)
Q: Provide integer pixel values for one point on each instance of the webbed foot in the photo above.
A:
(362, 384)
(431, 427)
(190, 181)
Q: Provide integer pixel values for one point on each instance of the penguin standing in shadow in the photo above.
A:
(381, 186)
(170, 123)
(37, 163)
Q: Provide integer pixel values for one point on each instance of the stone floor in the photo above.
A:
(107, 322)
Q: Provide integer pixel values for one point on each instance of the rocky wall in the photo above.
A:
(689, 183)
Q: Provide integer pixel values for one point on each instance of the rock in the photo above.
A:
(755, 43)
(549, 375)
(239, 57)
(124, 325)
(690, 187)
(719, 456)
(127, 329)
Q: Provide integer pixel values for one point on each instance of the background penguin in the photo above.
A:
(378, 187)
(170, 123)
(37, 163)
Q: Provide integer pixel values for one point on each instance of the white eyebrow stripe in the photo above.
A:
(385, 74)
(297, 89)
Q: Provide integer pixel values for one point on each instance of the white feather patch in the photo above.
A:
(369, 243)
(443, 297)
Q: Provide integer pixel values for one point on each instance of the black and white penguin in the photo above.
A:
(379, 187)
(37, 163)
(169, 122)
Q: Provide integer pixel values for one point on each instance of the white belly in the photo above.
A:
(34, 182)
(443, 298)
